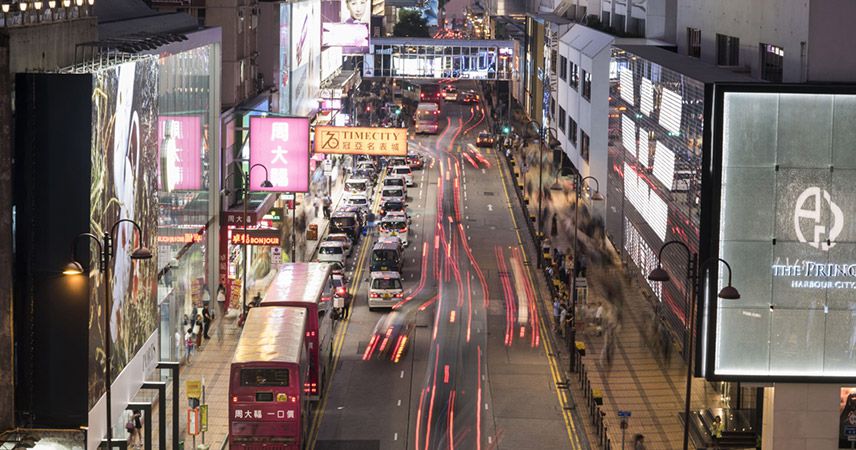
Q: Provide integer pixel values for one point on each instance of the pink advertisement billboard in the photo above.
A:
(180, 153)
(281, 144)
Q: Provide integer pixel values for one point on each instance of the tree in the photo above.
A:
(410, 24)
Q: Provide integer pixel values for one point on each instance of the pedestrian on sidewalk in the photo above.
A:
(188, 343)
(639, 442)
(557, 311)
(563, 319)
(221, 299)
(206, 322)
(197, 331)
(327, 203)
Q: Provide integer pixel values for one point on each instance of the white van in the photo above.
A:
(357, 186)
(385, 290)
(404, 172)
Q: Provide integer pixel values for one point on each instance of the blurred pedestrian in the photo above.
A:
(326, 202)
(563, 318)
(189, 343)
(557, 311)
(206, 322)
(221, 299)
(639, 442)
(716, 430)
(197, 331)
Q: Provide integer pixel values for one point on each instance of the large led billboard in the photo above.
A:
(345, 23)
(305, 64)
(180, 152)
(784, 186)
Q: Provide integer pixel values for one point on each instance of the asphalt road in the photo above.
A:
(461, 362)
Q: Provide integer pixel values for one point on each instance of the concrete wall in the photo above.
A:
(239, 42)
(831, 34)
(778, 22)
(7, 378)
(801, 417)
(48, 46)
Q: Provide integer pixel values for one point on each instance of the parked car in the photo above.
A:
(346, 241)
(332, 252)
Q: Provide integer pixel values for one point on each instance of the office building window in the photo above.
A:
(563, 68)
(694, 42)
(562, 119)
(572, 131)
(772, 61)
(584, 146)
(574, 80)
(552, 108)
(586, 85)
(727, 50)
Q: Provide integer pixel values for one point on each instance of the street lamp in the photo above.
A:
(694, 272)
(245, 195)
(579, 184)
(105, 252)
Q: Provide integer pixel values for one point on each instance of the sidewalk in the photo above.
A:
(212, 361)
(639, 378)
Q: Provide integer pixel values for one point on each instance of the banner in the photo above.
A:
(361, 140)
(280, 144)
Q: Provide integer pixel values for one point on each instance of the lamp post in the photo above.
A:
(579, 184)
(105, 252)
(694, 272)
(245, 194)
(543, 134)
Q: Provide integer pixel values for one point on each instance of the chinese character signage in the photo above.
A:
(236, 218)
(361, 141)
(281, 144)
(180, 152)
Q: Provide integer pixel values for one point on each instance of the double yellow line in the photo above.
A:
(339, 339)
(564, 397)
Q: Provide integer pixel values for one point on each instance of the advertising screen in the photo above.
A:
(305, 57)
(357, 140)
(785, 223)
(345, 23)
(281, 145)
(180, 153)
(124, 158)
(284, 57)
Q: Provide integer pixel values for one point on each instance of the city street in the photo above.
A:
(477, 371)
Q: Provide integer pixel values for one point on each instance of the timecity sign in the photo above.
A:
(256, 237)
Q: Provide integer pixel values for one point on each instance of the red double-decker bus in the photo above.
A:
(268, 409)
(308, 286)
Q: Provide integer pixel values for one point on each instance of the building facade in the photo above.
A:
(775, 40)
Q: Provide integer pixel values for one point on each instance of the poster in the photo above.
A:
(281, 145)
(180, 153)
(124, 160)
(847, 418)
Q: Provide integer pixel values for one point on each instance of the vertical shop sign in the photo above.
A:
(180, 152)
(281, 144)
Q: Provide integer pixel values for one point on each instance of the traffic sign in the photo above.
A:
(193, 421)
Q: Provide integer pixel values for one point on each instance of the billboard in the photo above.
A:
(361, 140)
(180, 153)
(281, 144)
(284, 57)
(792, 242)
(305, 78)
(345, 23)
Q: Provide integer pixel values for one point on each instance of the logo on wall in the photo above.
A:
(814, 216)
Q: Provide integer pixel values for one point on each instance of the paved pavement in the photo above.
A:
(211, 362)
(639, 378)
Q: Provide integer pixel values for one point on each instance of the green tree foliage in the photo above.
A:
(410, 24)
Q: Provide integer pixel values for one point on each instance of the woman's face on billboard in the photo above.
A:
(357, 8)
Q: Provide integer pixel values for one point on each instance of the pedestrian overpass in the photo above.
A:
(427, 58)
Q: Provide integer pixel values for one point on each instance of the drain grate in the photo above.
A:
(489, 194)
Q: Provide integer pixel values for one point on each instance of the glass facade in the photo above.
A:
(655, 161)
(186, 139)
(443, 61)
